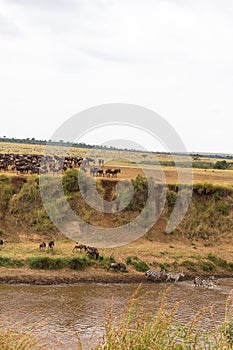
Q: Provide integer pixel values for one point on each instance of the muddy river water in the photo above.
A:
(58, 313)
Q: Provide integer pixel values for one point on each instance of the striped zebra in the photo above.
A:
(206, 283)
(155, 275)
(174, 276)
(198, 281)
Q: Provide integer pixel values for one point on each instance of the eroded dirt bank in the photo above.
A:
(31, 277)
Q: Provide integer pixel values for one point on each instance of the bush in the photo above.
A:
(105, 261)
(78, 263)
(171, 200)
(46, 263)
(5, 194)
(129, 259)
(224, 208)
(217, 261)
(70, 181)
(190, 265)
(164, 266)
(140, 265)
(221, 164)
(207, 266)
(8, 262)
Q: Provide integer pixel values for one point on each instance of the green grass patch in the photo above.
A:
(47, 263)
(8, 262)
(140, 266)
(190, 265)
(217, 261)
(105, 261)
(77, 263)
(207, 266)
(164, 266)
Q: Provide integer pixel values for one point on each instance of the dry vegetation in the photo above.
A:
(205, 230)
(200, 245)
(133, 163)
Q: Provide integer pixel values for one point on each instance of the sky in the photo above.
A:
(175, 57)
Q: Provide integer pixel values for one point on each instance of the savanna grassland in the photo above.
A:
(201, 242)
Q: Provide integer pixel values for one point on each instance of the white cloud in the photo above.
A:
(175, 57)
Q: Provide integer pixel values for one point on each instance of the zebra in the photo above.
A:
(174, 276)
(155, 275)
(198, 281)
(205, 283)
(214, 280)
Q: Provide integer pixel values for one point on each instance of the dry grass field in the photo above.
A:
(156, 250)
(132, 163)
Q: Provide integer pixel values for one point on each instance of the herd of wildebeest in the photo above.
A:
(39, 164)
(162, 275)
(155, 276)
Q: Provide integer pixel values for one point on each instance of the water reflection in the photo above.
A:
(59, 313)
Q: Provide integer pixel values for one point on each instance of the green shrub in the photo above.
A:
(140, 196)
(46, 263)
(105, 261)
(221, 164)
(77, 263)
(128, 260)
(140, 265)
(224, 208)
(190, 265)
(8, 262)
(171, 200)
(6, 192)
(70, 181)
(207, 266)
(164, 266)
(217, 261)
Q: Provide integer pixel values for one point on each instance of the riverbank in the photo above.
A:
(40, 277)
(25, 263)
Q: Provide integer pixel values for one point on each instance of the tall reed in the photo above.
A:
(144, 327)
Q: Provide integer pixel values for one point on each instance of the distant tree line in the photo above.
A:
(195, 156)
(220, 164)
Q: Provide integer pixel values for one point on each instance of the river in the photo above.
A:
(58, 313)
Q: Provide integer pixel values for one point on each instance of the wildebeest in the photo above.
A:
(51, 244)
(79, 246)
(93, 252)
(96, 171)
(1, 242)
(42, 245)
(117, 266)
(112, 172)
(36, 163)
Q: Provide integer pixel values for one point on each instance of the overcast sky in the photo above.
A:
(59, 57)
